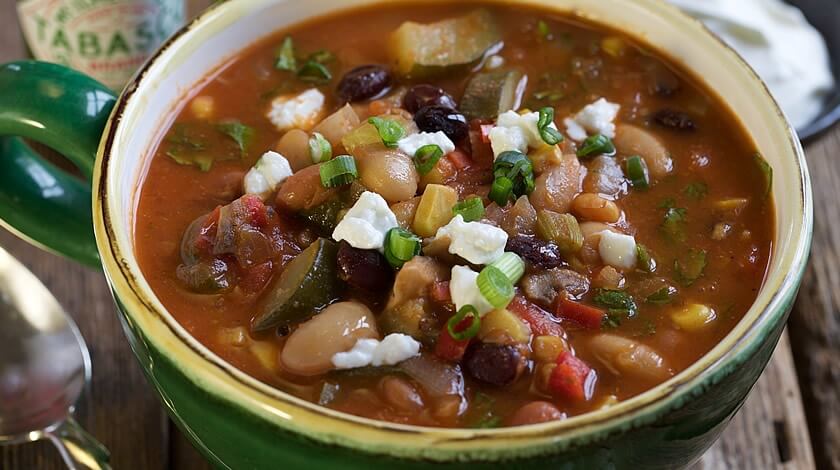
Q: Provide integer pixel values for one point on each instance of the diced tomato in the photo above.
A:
(485, 132)
(583, 315)
(207, 235)
(449, 348)
(459, 159)
(440, 292)
(572, 379)
(541, 322)
(254, 279)
(256, 210)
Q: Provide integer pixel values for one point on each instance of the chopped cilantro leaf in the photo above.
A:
(673, 224)
(696, 190)
(616, 301)
(690, 266)
(285, 56)
(240, 133)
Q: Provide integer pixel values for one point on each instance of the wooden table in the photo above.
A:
(798, 396)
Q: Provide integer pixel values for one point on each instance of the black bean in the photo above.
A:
(673, 119)
(363, 269)
(364, 82)
(496, 364)
(441, 118)
(420, 96)
(537, 252)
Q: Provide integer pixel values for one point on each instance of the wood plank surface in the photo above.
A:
(815, 323)
(770, 431)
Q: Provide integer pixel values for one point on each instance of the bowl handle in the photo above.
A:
(67, 111)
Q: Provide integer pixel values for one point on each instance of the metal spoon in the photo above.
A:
(44, 366)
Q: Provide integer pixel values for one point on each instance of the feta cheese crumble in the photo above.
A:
(410, 144)
(393, 349)
(476, 242)
(617, 250)
(269, 171)
(514, 131)
(296, 112)
(366, 223)
(595, 118)
(463, 287)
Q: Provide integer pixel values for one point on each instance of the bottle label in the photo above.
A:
(106, 39)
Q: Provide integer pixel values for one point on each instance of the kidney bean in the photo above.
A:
(420, 96)
(535, 412)
(364, 82)
(363, 269)
(539, 253)
(497, 364)
(441, 118)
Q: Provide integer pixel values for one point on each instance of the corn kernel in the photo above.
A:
(614, 46)
(203, 107)
(547, 348)
(693, 317)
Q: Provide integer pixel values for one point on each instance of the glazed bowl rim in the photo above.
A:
(218, 377)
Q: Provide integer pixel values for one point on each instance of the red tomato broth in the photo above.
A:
(716, 153)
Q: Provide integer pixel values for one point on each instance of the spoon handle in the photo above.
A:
(80, 450)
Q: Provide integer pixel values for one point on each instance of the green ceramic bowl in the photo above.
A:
(238, 422)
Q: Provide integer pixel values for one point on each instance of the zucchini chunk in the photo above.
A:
(308, 284)
(489, 94)
(445, 47)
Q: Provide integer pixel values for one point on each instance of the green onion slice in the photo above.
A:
(319, 148)
(426, 157)
(511, 265)
(339, 171)
(313, 71)
(390, 131)
(495, 286)
(471, 209)
(400, 246)
(518, 169)
(637, 172)
(468, 332)
(502, 191)
(549, 135)
(596, 145)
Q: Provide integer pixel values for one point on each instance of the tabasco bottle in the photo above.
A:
(106, 39)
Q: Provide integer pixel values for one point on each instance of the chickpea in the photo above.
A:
(593, 207)
(294, 145)
(632, 140)
(391, 174)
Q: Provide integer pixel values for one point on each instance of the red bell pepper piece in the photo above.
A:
(572, 378)
(459, 159)
(256, 210)
(583, 315)
(207, 234)
(542, 323)
(449, 348)
(256, 277)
